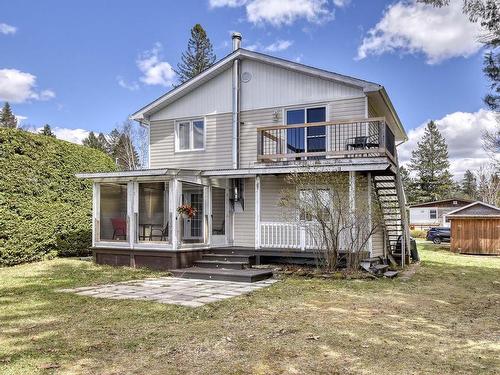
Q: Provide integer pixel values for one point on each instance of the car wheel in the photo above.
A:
(436, 240)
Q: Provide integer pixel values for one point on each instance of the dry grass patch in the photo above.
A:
(442, 321)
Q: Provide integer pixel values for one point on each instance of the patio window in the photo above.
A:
(310, 139)
(190, 135)
(313, 201)
(218, 211)
(113, 208)
(153, 223)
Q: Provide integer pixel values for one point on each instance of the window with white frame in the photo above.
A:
(432, 213)
(317, 200)
(190, 135)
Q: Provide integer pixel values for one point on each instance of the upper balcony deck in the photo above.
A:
(351, 139)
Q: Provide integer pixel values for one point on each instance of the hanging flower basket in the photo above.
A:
(187, 211)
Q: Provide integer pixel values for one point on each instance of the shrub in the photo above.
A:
(418, 233)
(44, 208)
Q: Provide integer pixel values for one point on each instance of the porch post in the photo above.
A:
(175, 192)
(207, 195)
(96, 216)
(352, 194)
(257, 212)
(229, 215)
(130, 213)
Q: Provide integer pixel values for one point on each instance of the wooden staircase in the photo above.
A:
(227, 264)
(390, 194)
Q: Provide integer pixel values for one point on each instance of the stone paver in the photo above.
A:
(171, 290)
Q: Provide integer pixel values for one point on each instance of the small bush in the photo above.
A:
(44, 209)
(418, 233)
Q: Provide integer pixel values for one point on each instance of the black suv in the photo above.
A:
(438, 235)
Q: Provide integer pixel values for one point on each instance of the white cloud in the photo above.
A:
(341, 3)
(279, 45)
(155, 71)
(462, 131)
(132, 86)
(226, 3)
(66, 134)
(7, 29)
(19, 87)
(279, 12)
(410, 27)
(20, 119)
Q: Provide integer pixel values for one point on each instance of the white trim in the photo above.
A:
(305, 108)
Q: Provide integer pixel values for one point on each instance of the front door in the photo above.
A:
(193, 228)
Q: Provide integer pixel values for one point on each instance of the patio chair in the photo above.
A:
(160, 232)
(359, 142)
(119, 228)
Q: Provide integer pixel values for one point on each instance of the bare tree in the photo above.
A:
(488, 181)
(128, 145)
(337, 222)
(491, 143)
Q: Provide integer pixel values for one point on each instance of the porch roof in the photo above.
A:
(370, 164)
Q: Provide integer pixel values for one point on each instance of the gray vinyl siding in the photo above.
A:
(273, 86)
(214, 96)
(272, 188)
(378, 243)
(244, 222)
(217, 152)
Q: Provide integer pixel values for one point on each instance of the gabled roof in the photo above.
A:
(225, 63)
(429, 204)
(476, 209)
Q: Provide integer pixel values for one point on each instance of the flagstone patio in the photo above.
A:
(172, 290)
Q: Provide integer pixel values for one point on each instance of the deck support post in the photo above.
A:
(352, 194)
(370, 223)
(257, 212)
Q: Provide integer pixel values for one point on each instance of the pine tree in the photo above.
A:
(7, 118)
(198, 56)
(411, 190)
(47, 131)
(469, 185)
(100, 142)
(430, 163)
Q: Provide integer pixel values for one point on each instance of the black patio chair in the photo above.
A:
(161, 232)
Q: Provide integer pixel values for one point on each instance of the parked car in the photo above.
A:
(438, 235)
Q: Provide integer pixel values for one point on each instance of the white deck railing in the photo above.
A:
(279, 235)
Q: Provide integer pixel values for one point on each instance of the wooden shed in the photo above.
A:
(475, 229)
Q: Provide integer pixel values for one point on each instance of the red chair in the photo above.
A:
(119, 228)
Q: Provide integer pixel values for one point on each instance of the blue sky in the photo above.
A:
(63, 61)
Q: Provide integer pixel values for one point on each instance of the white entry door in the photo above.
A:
(193, 228)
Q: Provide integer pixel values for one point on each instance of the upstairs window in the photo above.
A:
(190, 135)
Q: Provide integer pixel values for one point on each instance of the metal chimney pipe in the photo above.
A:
(236, 37)
(236, 104)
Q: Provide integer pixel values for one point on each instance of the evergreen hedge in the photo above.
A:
(45, 210)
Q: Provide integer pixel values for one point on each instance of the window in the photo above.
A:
(433, 213)
(317, 201)
(190, 135)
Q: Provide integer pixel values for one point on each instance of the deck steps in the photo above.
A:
(225, 264)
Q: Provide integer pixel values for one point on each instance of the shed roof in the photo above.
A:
(475, 209)
(461, 201)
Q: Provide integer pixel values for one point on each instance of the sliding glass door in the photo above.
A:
(306, 139)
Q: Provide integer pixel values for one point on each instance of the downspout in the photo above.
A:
(236, 37)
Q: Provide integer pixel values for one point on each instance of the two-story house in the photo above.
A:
(223, 141)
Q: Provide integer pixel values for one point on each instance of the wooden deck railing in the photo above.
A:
(353, 138)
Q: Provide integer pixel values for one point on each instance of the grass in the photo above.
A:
(442, 321)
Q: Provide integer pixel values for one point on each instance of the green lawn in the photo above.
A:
(445, 320)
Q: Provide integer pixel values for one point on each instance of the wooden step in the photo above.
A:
(221, 264)
(247, 275)
(228, 257)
